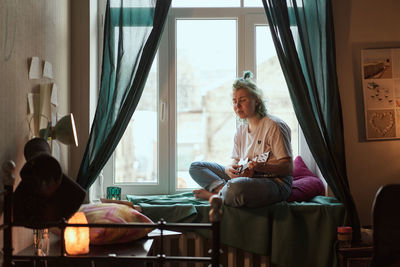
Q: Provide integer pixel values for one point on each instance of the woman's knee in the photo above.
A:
(199, 173)
(195, 166)
(232, 195)
(244, 192)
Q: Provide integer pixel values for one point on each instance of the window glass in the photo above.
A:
(253, 3)
(132, 3)
(135, 159)
(206, 67)
(270, 78)
(206, 3)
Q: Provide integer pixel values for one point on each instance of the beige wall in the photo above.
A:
(84, 77)
(363, 24)
(30, 28)
(80, 82)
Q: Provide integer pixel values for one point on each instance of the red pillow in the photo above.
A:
(306, 185)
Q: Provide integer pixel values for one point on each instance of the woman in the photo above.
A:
(260, 173)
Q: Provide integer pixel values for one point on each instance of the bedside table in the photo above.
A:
(359, 255)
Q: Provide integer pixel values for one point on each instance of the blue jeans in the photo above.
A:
(241, 191)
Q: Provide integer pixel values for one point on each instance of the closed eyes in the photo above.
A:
(241, 101)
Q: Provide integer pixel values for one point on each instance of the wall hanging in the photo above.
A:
(381, 89)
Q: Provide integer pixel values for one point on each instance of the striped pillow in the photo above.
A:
(114, 213)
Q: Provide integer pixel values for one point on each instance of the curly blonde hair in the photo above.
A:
(246, 82)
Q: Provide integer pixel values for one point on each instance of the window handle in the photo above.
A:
(163, 110)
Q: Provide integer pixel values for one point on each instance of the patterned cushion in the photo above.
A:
(114, 213)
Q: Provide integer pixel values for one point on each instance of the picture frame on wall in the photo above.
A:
(381, 90)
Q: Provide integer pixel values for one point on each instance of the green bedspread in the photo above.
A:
(292, 234)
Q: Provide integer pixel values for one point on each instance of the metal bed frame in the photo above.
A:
(160, 259)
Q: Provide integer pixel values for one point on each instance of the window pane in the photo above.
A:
(206, 68)
(253, 3)
(135, 158)
(270, 78)
(206, 3)
(132, 3)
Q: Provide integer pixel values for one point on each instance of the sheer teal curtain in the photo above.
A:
(132, 33)
(308, 63)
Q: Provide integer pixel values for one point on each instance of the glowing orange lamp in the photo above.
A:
(77, 238)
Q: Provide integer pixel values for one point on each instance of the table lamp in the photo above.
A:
(64, 131)
(45, 194)
(77, 238)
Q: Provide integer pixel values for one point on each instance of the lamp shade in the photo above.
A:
(45, 194)
(64, 131)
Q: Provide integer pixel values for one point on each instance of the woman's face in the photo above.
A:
(244, 104)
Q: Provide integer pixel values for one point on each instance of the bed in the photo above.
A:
(289, 234)
(301, 233)
(127, 254)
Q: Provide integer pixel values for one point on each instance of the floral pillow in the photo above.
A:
(306, 184)
(114, 213)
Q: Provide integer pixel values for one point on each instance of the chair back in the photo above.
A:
(386, 226)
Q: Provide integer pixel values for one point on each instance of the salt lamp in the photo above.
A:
(77, 238)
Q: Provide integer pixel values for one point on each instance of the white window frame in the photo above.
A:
(167, 94)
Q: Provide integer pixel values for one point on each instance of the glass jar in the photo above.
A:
(344, 236)
(114, 192)
(41, 242)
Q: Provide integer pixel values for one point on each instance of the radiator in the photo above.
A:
(192, 244)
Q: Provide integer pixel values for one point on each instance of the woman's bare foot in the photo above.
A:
(202, 194)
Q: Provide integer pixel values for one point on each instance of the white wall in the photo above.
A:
(363, 24)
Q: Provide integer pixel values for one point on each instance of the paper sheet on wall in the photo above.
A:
(34, 69)
(33, 113)
(54, 94)
(55, 149)
(48, 70)
(53, 115)
(33, 103)
(45, 107)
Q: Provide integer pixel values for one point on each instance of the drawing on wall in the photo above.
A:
(381, 90)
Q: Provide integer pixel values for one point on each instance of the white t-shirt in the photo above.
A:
(271, 135)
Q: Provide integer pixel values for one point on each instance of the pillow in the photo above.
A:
(300, 169)
(114, 213)
(306, 184)
(306, 188)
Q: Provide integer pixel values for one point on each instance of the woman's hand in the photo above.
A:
(231, 170)
(258, 161)
(252, 163)
(248, 172)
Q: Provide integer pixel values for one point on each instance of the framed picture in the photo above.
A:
(381, 89)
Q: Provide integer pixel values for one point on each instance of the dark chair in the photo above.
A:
(386, 226)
